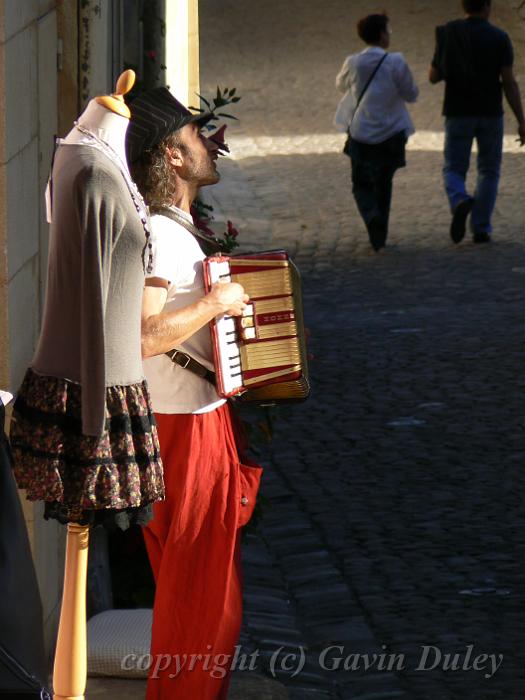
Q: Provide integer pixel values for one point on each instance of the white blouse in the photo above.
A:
(382, 112)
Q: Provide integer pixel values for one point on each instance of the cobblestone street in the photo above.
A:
(395, 519)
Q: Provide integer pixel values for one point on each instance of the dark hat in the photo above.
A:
(155, 114)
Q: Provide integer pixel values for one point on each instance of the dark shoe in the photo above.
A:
(459, 219)
(481, 237)
(377, 233)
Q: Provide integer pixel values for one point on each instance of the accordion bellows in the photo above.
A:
(261, 355)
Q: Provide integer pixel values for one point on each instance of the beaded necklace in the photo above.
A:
(138, 200)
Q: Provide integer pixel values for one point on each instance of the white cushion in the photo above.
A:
(119, 643)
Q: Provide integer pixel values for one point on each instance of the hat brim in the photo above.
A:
(200, 119)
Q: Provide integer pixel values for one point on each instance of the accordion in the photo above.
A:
(262, 354)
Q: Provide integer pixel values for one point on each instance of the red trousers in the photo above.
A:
(193, 547)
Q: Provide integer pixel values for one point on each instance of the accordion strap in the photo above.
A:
(182, 359)
(209, 242)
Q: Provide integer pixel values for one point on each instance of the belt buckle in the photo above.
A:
(178, 354)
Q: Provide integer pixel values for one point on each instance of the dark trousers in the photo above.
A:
(373, 169)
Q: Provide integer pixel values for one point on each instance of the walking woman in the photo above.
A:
(373, 112)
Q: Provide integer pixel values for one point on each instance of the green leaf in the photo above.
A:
(204, 100)
(233, 91)
(218, 93)
(235, 99)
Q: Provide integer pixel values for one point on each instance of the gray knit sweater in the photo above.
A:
(91, 325)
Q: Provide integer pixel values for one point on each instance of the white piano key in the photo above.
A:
(218, 270)
(226, 324)
(228, 340)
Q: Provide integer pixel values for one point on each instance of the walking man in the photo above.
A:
(475, 60)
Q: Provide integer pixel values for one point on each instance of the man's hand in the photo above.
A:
(229, 298)
(434, 75)
(521, 133)
(512, 93)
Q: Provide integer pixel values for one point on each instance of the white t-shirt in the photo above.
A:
(177, 258)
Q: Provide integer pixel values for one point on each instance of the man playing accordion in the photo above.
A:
(193, 539)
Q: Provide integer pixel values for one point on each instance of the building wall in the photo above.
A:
(182, 50)
(28, 91)
(95, 44)
(54, 56)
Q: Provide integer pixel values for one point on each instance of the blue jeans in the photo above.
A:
(459, 135)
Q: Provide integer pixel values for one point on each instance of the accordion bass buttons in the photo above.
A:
(247, 323)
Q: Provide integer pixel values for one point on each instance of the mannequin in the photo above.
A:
(82, 432)
(70, 668)
(106, 125)
(107, 117)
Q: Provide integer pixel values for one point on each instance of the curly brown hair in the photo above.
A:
(153, 174)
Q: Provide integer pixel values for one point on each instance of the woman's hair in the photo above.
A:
(371, 27)
(475, 6)
(153, 174)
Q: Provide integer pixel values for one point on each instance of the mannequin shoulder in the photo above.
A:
(89, 170)
(85, 160)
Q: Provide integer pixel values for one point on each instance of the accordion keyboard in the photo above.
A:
(227, 337)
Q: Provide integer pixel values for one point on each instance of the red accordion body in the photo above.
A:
(262, 354)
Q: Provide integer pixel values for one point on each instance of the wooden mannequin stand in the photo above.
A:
(70, 667)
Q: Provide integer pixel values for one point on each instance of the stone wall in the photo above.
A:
(28, 121)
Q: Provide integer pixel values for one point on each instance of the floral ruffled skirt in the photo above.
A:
(83, 478)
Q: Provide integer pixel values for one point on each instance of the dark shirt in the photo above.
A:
(469, 56)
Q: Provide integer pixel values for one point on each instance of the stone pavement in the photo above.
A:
(395, 517)
(244, 686)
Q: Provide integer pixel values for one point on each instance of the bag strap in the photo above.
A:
(367, 85)
(182, 359)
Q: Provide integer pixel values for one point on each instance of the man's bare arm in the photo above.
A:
(164, 330)
(512, 93)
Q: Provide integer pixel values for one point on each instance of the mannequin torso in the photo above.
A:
(103, 124)
(84, 396)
